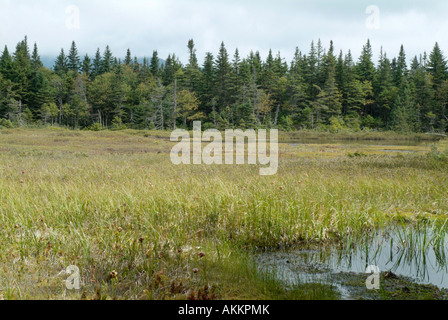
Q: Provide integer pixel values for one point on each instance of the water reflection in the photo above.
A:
(417, 252)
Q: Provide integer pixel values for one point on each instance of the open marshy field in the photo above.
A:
(138, 227)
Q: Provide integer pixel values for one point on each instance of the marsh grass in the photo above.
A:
(358, 136)
(113, 202)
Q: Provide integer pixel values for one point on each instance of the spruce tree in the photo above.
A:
(136, 65)
(107, 62)
(404, 113)
(297, 86)
(21, 74)
(222, 77)
(144, 73)
(311, 72)
(155, 64)
(96, 66)
(168, 71)
(236, 81)
(424, 94)
(400, 68)
(384, 90)
(193, 60)
(207, 83)
(437, 66)
(73, 63)
(365, 68)
(39, 88)
(280, 67)
(192, 72)
(333, 97)
(36, 63)
(128, 59)
(6, 64)
(267, 75)
(328, 64)
(87, 66)
(61, 64)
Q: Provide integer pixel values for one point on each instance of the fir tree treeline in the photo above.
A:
(320, 89)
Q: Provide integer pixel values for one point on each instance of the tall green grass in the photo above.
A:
(113, 202)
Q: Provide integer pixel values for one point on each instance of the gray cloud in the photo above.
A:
(146, 25)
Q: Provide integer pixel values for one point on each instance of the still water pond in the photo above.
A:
(418, 253)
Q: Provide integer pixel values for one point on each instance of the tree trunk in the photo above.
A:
(175, 104)
(276, 115)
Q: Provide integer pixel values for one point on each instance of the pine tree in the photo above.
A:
(155, 64)
(357, 98)
(39, 88)
(207, 83)
(168, 71)
(236, 83)
(96, 66)
(298, 88)
(320, 59)
(20, 76)
(296, 69)
(246, 115)
(222, 77)
(136, 65)
(267, 75)
(119, 91)
(193, 60)
(87, 66)
(404, 113)
(400, 69)
(36, 63)
(424, 94)
(73, 63)
(144, 73)
(344, 78)
(107, 62)
(437, 66)
(384, 90)
(333, 97)
(61, 64)
(192, 72)
(311, 72)
(128, 59)
(280, 67)
(255, 64)
(365, 67)
(6, 64)
(328, 64)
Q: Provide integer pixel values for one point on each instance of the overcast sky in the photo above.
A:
(166, 26)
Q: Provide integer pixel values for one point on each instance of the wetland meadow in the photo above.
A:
(138, 227)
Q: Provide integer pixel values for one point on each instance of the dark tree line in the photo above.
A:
(321, 90)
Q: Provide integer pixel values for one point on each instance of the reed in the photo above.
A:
(112, 201)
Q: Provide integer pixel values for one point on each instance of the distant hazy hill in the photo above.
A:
(49, 61)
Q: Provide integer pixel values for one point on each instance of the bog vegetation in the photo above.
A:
(139, 227)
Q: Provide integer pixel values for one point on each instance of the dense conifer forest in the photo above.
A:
(320, 89)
